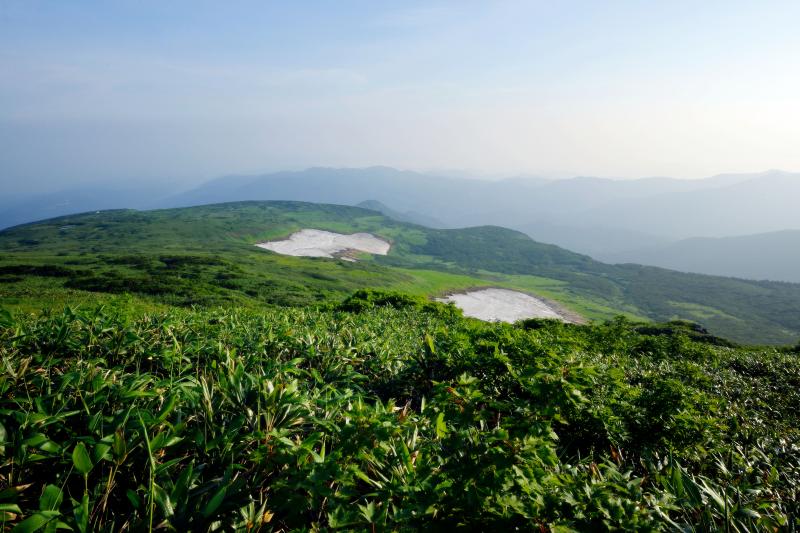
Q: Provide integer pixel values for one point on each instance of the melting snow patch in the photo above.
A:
(319, 243)
(501, 305)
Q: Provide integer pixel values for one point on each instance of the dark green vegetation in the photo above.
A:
(389, 414)
(222, 387)
(205, 256)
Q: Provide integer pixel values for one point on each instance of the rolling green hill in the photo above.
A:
(221, 387)
(205, 256)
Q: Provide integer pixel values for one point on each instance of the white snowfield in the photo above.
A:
(501, 305)
(319, 243)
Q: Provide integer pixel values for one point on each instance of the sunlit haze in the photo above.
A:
(187, 91)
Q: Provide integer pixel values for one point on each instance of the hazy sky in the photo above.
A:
(173, 90)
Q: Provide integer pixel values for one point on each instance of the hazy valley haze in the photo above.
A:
(182, 92)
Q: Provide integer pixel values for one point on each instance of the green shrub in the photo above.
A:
(369, 299)
(394, 419)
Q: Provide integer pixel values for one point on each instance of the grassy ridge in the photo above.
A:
(205, 256)
(389, 413)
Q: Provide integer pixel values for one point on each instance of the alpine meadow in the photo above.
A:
(394, 267)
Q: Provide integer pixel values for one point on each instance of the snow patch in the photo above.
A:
(501, 305)
(320, 243)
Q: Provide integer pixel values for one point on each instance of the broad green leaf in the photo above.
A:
(167, 409)
(10, 508)
(368, 512)
(163, 501)
(50, 447)
(215, 502)
(133, 498)
(405, 455)
(750, 513)
(182, 485)
(365, 477)
(81, 513)
(51, 498)
(719, 499)
(35, 522)
(34, 441)
(12, 492)
(441, 426)
(81, 460)
(100, 451)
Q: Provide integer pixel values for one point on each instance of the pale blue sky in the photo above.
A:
(186, 91)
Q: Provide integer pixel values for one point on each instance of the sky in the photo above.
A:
(177, 92)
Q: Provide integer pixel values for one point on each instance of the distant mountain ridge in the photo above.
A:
(25, 209)
(643, 210)
(764, 203)
(773, 256)
(607, 219)
(457, 202)
(410, 216)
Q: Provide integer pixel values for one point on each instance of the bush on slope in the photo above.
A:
(392, 418)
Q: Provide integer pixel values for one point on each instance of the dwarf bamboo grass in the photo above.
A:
(392, 418)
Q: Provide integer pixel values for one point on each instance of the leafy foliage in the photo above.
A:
(388, 414)
(369, 299)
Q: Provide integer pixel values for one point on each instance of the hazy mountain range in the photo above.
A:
(645, 221)
(22, 209)
(774, 256)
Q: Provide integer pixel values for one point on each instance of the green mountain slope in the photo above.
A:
(376, 411)
(206, 255)
(401, 418)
